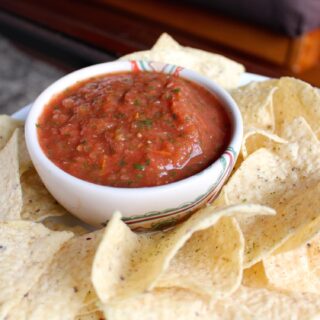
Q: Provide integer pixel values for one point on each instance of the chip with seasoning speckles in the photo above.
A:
(216, 67)
(295, 98)
(26, 251)
(7, 126)
(296, 270)
(255, 101)
(38, 203)
(204, 255)
(285, 178)
(255, 139)
(10, 188)
(63, 287)
(245, 303)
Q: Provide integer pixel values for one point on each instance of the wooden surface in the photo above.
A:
(119, 27)
(208, 26)
(305, 52)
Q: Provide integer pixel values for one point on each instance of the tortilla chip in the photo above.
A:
(38, 203)
(255, 180)
(62, 289)
(7, 126)
(10, 189)
(295, 98)
(210, 262)
(159, 304)
(255, 139)
(26, 250)
(301, 236)
(245, 303)
(216, 67)
(264, 304)
(89, 309)
(270, 233)
(279, 179)
(91, 300)
(255, 102)
(296, 270)
(255, 276)
(25, 162)
(164, 42)
(97, 315)
(127, 264)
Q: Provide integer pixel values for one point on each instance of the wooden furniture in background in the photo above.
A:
(119, 27)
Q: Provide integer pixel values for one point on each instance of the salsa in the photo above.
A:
(134, 129)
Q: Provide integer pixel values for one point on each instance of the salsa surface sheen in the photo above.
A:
(134, 129)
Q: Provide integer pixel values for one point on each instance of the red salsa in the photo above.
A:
(134, 129)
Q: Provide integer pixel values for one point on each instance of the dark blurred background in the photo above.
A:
(42, 40)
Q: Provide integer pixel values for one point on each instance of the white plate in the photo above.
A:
(245, 78)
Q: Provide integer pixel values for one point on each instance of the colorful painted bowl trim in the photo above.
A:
(226, 160)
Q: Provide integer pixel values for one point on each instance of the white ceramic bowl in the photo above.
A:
(142, 208)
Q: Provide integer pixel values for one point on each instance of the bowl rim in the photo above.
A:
(72, 78)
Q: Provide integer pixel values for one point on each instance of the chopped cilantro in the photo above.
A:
(146, 123)
(136, 102)
(38, 125)
(139, 166)
(139, 176)
(176, 90)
